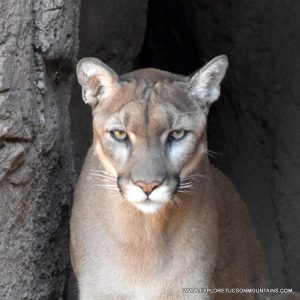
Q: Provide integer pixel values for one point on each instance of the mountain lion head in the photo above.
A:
(149, 127)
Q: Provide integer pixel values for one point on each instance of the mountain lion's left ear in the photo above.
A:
(98, 81)
(205, 83)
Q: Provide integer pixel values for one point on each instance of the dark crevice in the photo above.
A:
(15, 139)
(169, 43)
(3, 91)
(59, 69)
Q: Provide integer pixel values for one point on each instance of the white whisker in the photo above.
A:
(110, 185)
(193, 180)
(108, 188)
(185, 186)
(185, 189)
(214, 152)
(103, 172)
(194, 177)
(186, 183)
(187, 113)
(211, 155)
(186, 192)
(103, 176)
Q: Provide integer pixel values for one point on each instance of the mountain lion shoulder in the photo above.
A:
(151, 215)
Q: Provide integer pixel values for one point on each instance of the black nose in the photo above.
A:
(147, 187)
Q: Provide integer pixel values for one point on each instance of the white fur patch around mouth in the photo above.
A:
(138, 198)
(134, 194)
(161, 194)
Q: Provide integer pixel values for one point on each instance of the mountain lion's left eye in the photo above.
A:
(119, 135)
(177, 135)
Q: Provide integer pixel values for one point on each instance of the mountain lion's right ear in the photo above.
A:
(97, 80)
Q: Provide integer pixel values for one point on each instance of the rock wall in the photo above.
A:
(255, 125)
(38, 46)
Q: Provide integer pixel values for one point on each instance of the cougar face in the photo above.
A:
(149, 134)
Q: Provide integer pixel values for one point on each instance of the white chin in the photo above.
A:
(148, 207)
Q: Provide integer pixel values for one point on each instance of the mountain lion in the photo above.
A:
(152, 217)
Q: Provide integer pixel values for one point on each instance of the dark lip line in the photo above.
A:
(119, 186)
(177, 185)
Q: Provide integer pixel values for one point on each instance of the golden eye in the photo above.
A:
(177, 134)
(119, 135)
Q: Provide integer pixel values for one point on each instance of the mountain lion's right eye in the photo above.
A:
(119, 135)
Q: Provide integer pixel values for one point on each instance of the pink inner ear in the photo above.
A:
(94, 83)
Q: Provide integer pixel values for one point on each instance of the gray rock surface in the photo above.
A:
(38, 45)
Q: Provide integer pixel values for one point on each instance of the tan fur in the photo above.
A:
(205, 240)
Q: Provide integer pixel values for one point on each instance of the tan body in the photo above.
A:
(120, 253)
(205, 240)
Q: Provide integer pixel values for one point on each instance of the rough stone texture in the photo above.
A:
(112, 31)
(38, 44)
(255, 125)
